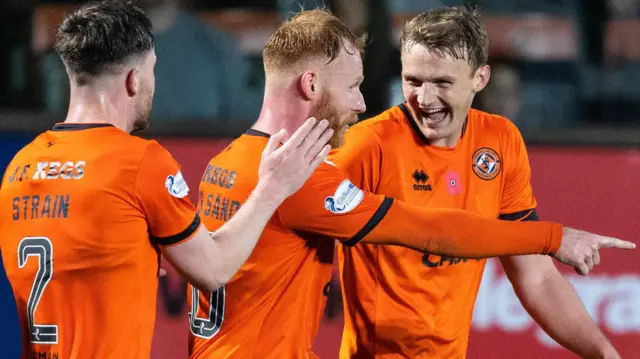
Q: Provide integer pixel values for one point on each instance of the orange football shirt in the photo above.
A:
(83, 210)
(273, 306)
(400, 303)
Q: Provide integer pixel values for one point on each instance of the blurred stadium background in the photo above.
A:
(567, 72)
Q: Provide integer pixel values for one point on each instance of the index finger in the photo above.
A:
(301, 133)
(609, 242)
(274, 142)
(582, 269)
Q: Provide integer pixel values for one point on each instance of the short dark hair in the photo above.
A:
(457, 31)
(97, 37)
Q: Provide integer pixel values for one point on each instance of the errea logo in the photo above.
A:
(421, 178)
(176, 185)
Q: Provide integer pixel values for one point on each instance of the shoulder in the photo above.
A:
(387, 124)
(151, 147)
(144, 150)
(146, 161)
(493, 124)
(491, 121)
(25, 151)
(123, 147)
(34, 145)
(244, 151)
(236, 165)
(327, 182)
(326, 175)
(388, 130)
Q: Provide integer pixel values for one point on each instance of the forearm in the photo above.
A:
(235, 240)
(556, 307)
(464, 234)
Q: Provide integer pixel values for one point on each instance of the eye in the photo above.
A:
(413, 81)
(443, 82)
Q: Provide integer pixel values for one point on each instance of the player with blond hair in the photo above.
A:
(401, 303)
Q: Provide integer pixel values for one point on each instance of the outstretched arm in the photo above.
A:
(336, 208)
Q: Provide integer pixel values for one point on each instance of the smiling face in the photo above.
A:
(439, 90)
(444, 64)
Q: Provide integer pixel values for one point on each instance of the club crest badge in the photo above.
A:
(486, 163)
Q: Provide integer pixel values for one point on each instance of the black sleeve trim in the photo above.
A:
(166, 241)
(373, 222)
(526, 215)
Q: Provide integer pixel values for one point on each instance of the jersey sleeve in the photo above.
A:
(518, 201)
(329, 204)
(360, 159)
(162, 193)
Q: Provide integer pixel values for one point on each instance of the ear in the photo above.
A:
(309, 85)
(132, 83)
(481, 78)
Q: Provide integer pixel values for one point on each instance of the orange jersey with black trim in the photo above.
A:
(273, 306)
(83, 209)
(400, 303)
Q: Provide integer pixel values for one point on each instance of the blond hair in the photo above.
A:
(456, 31)
(312, 34)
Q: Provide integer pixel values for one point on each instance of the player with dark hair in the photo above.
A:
(86, 208)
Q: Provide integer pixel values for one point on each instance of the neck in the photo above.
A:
(282, 109)
(449, 141)
(87, 105)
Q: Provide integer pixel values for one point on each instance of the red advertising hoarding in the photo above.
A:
(593, 189)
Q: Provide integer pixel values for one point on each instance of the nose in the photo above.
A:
(426, 94)
(360, 106)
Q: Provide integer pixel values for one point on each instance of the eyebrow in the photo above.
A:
(437, 78)
(358, 80)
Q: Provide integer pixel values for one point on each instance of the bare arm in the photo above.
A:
(553, 303)
(209, 260)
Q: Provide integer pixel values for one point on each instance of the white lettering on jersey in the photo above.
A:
(59, 170)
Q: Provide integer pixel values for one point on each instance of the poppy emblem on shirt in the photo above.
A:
(486, 163)
(454, 186)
